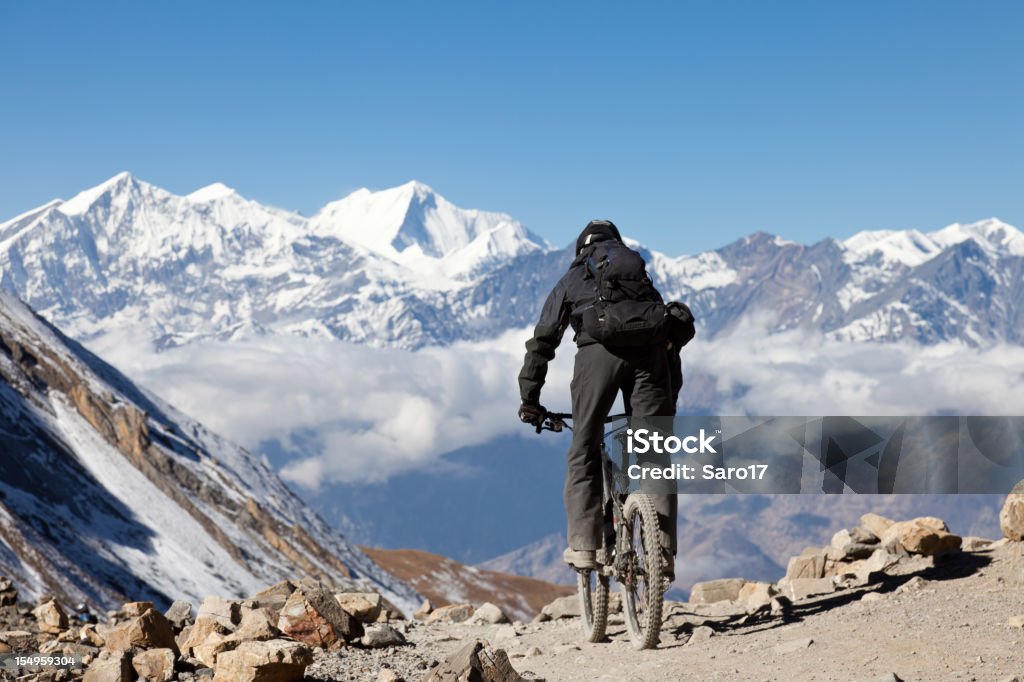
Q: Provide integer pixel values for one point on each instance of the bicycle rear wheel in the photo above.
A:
(592, 588)
(641, 585)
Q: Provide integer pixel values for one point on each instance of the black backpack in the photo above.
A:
(628, 311)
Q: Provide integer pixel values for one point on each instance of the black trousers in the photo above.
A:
(644, 377)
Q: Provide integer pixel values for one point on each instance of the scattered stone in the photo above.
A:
(700, 634)
(875, 524)
(793, 646)
(972, 543)
(489, 614)
(423, 611)
(888, 677)
(475, 662)
(871, 596)
(365, 606)
(563, 607)
(453, 613)
(275, 660)
(807, 565)
(1016, 622)
(381, 635)
(150, 630)
(50, 617)
(565, 648)
(387, 675)
(88, 635)
(156, 665)
(179, 615)
(802, 588)
(312, 616)
(712, 591)
(110, 667)
(8, 593)
(879, 560)
(915, 583)
(1011, 517)
(781, 605)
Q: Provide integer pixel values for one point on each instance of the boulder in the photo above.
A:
(8, 593)
(50, 617)
(810, 564)
(381, 635)
(365, 606)
(863, 536)
(179, 615)
(475, 662)
(563, 607)
(256, 624)
(134, 609)
(150, 630)
(1011, 517)
(754, 595)
(841, 539)
(225, 612)
(199, 632)
(802, 588)
(209, 649)
(927, 536)
(389, 611)
(156, 665)
(274, 597)
(423, 611)
(453, 613)
(110, 667)
(276, 660)
(312, 616)
(875, 524)
(972, 543)
(489, 614)
(711, 591)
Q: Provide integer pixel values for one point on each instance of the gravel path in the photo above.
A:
(941, 623)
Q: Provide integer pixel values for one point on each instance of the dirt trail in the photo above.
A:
(947, 622)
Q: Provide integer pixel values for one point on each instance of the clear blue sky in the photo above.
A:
(690, 124)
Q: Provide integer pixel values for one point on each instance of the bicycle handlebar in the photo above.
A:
(555, 421)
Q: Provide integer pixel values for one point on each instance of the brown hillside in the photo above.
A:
(446, 581)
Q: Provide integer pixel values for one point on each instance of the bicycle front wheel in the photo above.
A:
(641, 582)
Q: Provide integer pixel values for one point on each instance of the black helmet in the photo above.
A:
(596, 231)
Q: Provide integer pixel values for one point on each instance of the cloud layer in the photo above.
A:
(342, 412)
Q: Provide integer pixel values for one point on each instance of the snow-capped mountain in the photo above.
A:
(404, 267)
(107, 494)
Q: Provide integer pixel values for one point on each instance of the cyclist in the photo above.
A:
(644, 375)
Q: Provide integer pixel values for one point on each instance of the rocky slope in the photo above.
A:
(885, 600)
(404, 267)
(106, 492)
(444, 581)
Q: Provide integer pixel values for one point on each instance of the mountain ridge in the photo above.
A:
(403, 267)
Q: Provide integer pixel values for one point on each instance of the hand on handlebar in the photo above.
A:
(532, 413)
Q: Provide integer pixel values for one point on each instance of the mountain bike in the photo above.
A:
(630, 552)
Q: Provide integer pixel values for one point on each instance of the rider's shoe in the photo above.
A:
(668, 565)
(580, 558)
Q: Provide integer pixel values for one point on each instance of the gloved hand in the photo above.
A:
(531, 413)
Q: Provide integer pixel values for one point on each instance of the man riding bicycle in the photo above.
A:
(643, 372)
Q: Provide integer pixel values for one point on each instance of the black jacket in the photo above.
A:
(573, 292)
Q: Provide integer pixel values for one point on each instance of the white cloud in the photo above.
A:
(355, 413)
